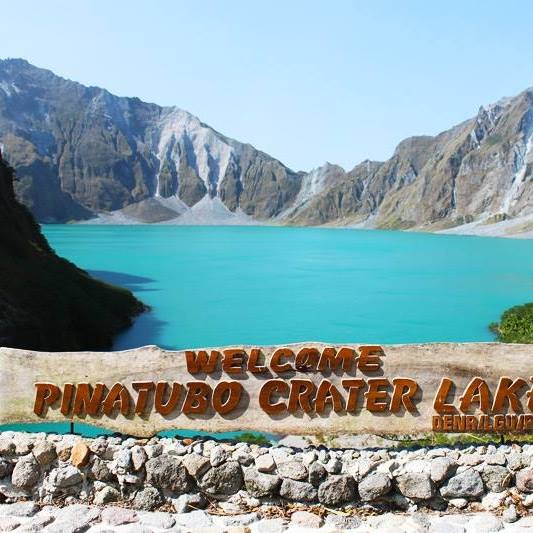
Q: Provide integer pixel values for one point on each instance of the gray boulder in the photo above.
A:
(194, 521)
(417, 486)
(224, 479)
(374, 486)
(298, 490)
(337, 490)
(106, 495)
(74, 518)
(189, 502)
(259, 484)
(317, 474)
(156, 521)
(100, 471)
(337, 522)
(265, 463)
(484, 522)
(196, 464)
(65, 476)
(293, 470)
(334, 465)
(7, 446)
(516, 461)
(495, 459)
(121, 461)
(26, 472)
(510, 514)
(238, 522)
(306, 521)
(467, 484)
(23, 443)
(218, 456)
(496, 478)
(442, 468)
(98, 446)
(242, 457)
(166, 471)
(147, 499)
(118, 516)
(44, 452)
(138, 457)
(524, 480)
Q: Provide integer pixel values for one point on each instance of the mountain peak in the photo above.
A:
(81, 151)
(16, 61)
(100, 152)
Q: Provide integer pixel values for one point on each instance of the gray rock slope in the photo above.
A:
(81, 152)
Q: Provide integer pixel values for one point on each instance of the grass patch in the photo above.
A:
(494, 139)
(253, 438)
(464, 439)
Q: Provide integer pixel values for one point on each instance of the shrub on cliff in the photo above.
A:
(516, 325)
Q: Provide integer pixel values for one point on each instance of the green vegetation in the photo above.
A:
(466, 439)
(46, 302)
(253, 438)
(435, 440)
(516, 325)
(494, 139)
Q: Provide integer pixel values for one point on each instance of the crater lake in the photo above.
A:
(232, 285)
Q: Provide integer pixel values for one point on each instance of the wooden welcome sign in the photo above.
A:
(309, 388)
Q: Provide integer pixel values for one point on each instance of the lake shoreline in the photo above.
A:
(503, 229)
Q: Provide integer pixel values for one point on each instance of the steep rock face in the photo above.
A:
(81, 150)
(478, 170)
(315, 182)
(46, 303)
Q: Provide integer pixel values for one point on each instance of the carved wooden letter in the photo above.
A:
(45, 395)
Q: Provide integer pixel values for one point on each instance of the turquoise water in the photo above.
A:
(92, 431)
(212, 286)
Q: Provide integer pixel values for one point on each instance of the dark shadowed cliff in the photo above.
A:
(47, 303)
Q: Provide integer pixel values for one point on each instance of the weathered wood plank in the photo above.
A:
(427, 364)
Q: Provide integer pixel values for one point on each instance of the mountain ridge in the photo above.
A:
(84, 154)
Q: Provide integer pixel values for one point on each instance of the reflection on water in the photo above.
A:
(128, 281)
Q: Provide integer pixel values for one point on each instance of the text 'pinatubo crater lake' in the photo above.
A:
(217, 286)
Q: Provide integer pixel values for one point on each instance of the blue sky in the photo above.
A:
(305, 81)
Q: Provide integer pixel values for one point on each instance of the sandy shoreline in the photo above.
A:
(212, 212)
(515, 228)
(519, 228)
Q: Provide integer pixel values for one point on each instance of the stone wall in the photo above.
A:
(190, 474)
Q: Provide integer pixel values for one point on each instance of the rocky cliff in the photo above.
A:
(46, 303)
(81, 152)
(479, 171)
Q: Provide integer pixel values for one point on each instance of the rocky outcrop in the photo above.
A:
(480, 170)
(45, 301)
(81, 152)
(187, 474)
